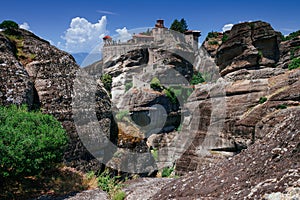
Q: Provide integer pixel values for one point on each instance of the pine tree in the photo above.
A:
(180, 26)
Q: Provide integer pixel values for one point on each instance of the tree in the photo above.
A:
(8, 24)
(180, 26)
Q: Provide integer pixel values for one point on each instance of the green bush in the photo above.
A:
(9, 27)
(262, 100)
(120, 195)
(107, 81)
(30, 142)
(214, 42)
(167, 171)
(294, 64)
(281, 106)
(128, 86)
(155, 84)
(225, 38)
(197, 78)
(212, 34)
(291, 36)
(170, 95)
(111, 185)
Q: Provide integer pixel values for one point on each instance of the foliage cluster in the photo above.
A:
(197, 78)
(31, 142)
(291, 36)
(107, 82)
(294, 64)
(179, 26)
(262, 100)
(112, 185)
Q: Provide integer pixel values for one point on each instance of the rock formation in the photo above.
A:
(37, 74)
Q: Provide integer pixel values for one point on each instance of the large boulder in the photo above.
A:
(250, 45)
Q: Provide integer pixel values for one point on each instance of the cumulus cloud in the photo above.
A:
(25, 26)
(123, 34)
(227, 27)
(84, 36)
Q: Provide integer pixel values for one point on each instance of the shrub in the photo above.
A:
(170, 95)
(128, 86)
(212, 34)
(294, 64)
(31, 142)
(111, 185)
(9, 27)
(281, 106)
(167, 171)
(8, 24)
(155, 84)
(291, 36)
(107, 81)
(214, 42)
(262, 100)
(120, 195)
(197, 78)
(225, 38)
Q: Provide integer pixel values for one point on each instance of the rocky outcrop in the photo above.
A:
(267, 168)
(144, 188)
(213, 42)
(246, 95)
(38, 74)
(250, 45)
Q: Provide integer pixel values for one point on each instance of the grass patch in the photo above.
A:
(121, 114)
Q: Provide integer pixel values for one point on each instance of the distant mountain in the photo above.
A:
(84, 59)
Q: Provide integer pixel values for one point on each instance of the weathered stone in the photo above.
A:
(249, 45)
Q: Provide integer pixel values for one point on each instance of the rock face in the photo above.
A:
(250, 45)
(245, 85)
(37, 74)
(267, 168)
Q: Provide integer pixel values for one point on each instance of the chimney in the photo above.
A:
(159, 23)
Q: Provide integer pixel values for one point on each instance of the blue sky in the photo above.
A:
(51, 20)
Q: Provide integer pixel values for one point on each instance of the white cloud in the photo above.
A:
(123, 34)
(84, 36)
(227, 27)
(106, 12)
(25, 26)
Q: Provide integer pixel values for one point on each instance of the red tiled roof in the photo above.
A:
(106, 37)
